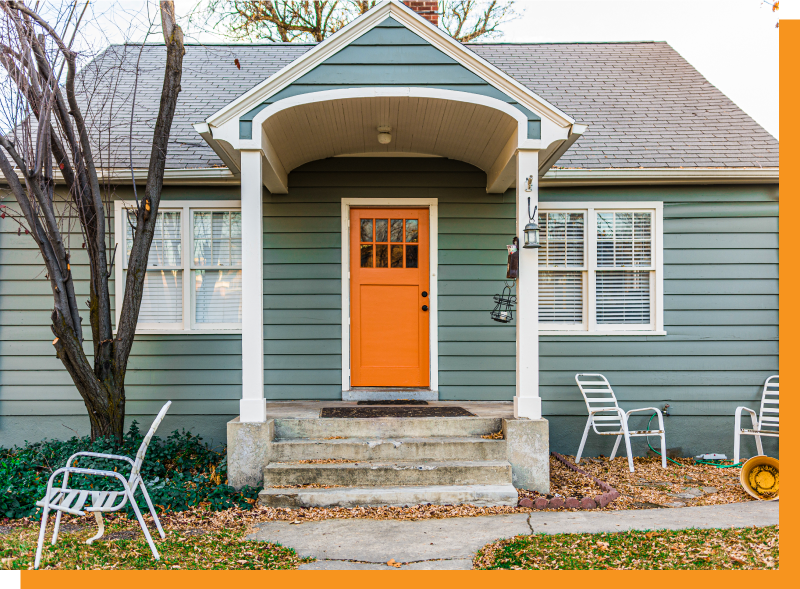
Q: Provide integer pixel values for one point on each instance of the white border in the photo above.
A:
(186, 207)
(658, 265)
(433, 205)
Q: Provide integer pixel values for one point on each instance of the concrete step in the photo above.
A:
(385, 427)
(481, 495)
(389, 474)
(434, 448)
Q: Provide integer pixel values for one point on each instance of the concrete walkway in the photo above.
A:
(452, 543)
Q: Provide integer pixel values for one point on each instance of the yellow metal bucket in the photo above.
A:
(759, 477)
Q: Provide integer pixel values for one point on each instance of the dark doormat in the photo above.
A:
(394, 402)
(406, 411)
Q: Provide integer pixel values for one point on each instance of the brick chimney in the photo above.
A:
(428, 9)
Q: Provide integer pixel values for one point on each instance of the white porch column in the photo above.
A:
(527, 402)
(253, 406)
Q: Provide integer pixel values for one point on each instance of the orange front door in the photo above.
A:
(389, 298)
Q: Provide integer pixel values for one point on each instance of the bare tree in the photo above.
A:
(288, 21)
(49, 130)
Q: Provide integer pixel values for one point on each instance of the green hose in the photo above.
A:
(737, 465)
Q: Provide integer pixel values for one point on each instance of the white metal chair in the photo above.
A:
(600, 399)
(767, 422)
(66, 500)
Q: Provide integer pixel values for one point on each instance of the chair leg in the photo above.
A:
(152, 510)
(583, 440)
(663, 451)
(630, 452)
(737, 438)
(616, 445)
(759, 446)
(57, 526)
(42, 530)
(144, 526)
(98, 516)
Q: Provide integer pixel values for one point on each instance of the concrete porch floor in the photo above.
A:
(311, 409)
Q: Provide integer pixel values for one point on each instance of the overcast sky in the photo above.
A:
(733, 43)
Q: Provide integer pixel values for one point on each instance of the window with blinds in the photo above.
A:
(194, 270)
(217, 267)
(561, 267)
(597, 268)
(162, 298)
(622, 282)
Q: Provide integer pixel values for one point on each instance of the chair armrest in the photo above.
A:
(653, 409)
(68, 470)
(98, 455)
(738, 418)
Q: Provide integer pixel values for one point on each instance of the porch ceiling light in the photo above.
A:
(384, 135)
(531, 229)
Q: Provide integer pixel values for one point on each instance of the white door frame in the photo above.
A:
(432, 204)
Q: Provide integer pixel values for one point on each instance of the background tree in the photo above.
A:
(46, 130)
(288, 21)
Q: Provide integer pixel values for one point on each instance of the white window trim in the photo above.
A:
(186, 207)
(589, 326)
(433, 243)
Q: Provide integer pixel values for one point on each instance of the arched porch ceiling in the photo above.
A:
(473, 133)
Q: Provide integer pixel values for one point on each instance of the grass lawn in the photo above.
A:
(124, 547)
(742, 548)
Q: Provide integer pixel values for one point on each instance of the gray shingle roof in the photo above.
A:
(645, 105)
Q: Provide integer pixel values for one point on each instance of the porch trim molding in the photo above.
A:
(433, 205)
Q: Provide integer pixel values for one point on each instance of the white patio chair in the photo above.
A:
(600, 400)
(767, 422)
(72, 501)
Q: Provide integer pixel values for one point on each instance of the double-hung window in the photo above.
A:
(193, 279)
(600, 267)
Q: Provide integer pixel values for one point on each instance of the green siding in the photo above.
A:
(390, 55)
(200, 373)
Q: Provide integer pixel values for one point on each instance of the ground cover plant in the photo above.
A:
(180, 472)
(742, 548)
(124, 547)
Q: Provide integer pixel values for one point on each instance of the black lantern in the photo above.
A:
(505, 302)
(531, 229)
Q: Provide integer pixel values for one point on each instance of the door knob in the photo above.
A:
(424, 293)
(424, 307)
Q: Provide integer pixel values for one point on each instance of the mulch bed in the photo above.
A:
(397, 411)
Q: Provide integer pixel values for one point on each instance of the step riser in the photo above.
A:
(480, 495)
(477, 449)
(387, 476)
(386, 427)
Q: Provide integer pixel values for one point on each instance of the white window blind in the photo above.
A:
(162, 298)
(624, 263)
(562, 238)
(217, 265)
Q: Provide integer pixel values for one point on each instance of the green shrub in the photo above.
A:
(179, 472)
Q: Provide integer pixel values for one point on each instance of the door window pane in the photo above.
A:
(381, 255)
(411, 230)
(381, 230)
(411, 256)
(397, 256)
(366, 255)
(397, 230)
(366, 229)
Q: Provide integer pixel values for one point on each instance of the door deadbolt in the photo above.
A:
(424, 293)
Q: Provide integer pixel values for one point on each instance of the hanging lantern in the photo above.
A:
(531, 230)
(505, 302)
(531, 235)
